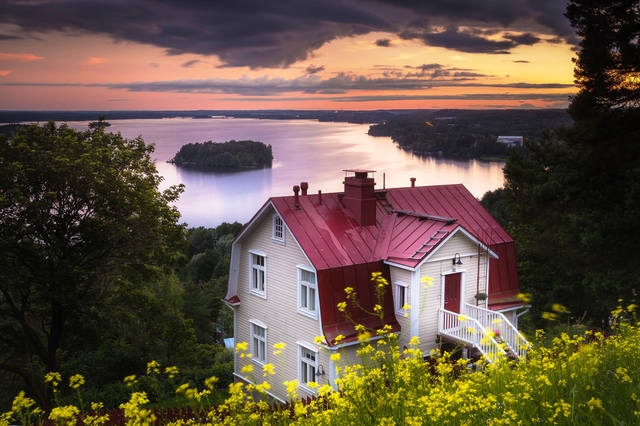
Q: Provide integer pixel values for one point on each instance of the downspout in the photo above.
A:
(478, 278)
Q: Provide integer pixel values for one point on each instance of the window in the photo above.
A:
(307, 293)
(401, 297)
(259, 341)
(258, 274)
(278, 229)
(308, 363)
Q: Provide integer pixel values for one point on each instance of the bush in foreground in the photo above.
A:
(581, 379)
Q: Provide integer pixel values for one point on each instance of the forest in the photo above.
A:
(106, 296)
(466, 134)
(224, 157)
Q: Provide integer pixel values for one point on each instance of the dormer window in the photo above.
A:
(278, 229)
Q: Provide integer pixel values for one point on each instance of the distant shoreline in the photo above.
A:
(354, 116)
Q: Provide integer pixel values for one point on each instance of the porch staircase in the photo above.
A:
(487, 331)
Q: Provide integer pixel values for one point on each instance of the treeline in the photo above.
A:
(98, 276)
(467, 134)
(226, 156)
(571, 200)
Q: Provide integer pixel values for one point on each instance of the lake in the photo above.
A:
(303, 150)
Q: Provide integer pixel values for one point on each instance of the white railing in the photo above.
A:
(501, 327)
(467, 329)
(488, 331)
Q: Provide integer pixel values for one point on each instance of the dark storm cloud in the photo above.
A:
(383, 42)
(314, 69)
(190, 63)
(258, 33)
(527, 39)
(463, 40)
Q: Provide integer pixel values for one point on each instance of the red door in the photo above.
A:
(452, 292)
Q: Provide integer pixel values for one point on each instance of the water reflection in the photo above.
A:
(303, 151)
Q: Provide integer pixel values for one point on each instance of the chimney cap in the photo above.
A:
(359, 173)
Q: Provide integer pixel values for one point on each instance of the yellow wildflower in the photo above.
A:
(171, 371)
(53, 377)
(268, 370)
(427, 281)
(242, 346)
(319, 340)
(594, 403)
(153, 367)
(248, 369)
(65, 415)
(130, 380)
(279, 348)
(76, 381)
(561, 309)
(211, 382)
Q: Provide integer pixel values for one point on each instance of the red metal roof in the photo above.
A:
(410, 223)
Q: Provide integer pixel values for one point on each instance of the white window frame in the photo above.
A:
(258, 341)
(277, 229)
(255, 272)
(305, 289)
(307, 367)
(400, 296)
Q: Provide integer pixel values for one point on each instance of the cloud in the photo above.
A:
(383, 42)
(340, 83)
(261, 34)
(94, 60)
(437, 75)
(313, 69)
(190, 63)
(4, 73)
(20, 57)
(462, 40)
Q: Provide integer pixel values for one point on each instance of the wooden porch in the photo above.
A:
(489, 332)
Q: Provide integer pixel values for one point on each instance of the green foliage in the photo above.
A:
(608, 64)
(571, 198)
(572, 379)
(90, 248)
(205, 279)
(226, 156)
(466, 134)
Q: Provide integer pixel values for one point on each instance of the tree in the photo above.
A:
(608, 64)
(572, 198)
(84, 234)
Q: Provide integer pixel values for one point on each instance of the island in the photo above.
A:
(227, 156)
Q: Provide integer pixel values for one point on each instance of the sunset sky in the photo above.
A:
(284, 54)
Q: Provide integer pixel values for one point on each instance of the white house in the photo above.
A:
(292, 261)
(511, 141)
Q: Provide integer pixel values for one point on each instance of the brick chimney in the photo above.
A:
(359, 197)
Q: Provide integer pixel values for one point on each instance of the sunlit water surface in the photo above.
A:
(303, 150)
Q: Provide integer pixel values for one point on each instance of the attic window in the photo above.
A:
(278, 229)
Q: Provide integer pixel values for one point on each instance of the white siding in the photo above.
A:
(279, 311)
(430, 296)
(406, 276)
